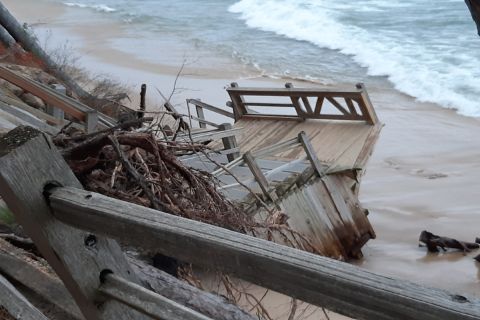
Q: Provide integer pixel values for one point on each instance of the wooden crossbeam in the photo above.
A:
(332, 284)
(351, 107)
(337, 105)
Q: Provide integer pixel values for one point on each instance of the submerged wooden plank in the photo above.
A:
(340, 287)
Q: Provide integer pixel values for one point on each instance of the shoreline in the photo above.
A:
(422, 174)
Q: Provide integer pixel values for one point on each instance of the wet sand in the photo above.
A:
(424, 173)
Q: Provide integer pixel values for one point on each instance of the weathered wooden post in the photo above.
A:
(143, 92)
(54, 111)
(91, 120)
(200, 115)
(229, 142)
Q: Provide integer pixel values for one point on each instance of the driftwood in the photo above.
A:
(433, 242)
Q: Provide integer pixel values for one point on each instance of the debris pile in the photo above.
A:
(140, 168)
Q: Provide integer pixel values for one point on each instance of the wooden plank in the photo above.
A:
(338, 286)
(351, 107)
(204, 122)
(209, 304)
(37, 90)
(258, 175)
(319, 105)
(46, 286)
(91, 121)
(229, 142)
(36, 112)
(269, 104)
(274, 117)
(366, 104)
(311, 154)
(213, 135)
(238, 102)
(338, 105)
(16, 304)
(146, 301)
(28, 118)
(201, 116)
(76, 256)
(277, 117)
(297, 92)
(70, 106)
(209, 107)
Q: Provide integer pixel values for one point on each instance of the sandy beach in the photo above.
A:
(423, 175)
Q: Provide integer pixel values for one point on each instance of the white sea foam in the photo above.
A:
(433, 72)
(97, 7)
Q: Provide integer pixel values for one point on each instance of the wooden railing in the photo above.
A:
(353, 105)
(71, 228)
(90, 117)
(250, 159)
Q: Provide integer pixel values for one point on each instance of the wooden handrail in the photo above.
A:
(70, 106)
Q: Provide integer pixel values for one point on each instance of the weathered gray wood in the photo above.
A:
(269, 104)
(200, 115)
(54, 111)
(259, 176)
(28, 118)
(278, 147)
(296, 118)
(209, 107)
(76, 256)
(338, 286)
(211, 305)
(146, 301)
(238, 103)
(71, 106)
(52, 290)
(47, 287)
(91, 121)
(297, 92)
(25, 107)
(212, 135)
(16, 304)
(204, 122)
(366, 105)
(229, 142)
(337, 105)
(311, 154)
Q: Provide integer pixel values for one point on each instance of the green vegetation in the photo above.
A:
(6, 216)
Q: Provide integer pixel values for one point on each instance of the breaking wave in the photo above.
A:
(434, 63)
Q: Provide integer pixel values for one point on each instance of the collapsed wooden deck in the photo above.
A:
(306, 160)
